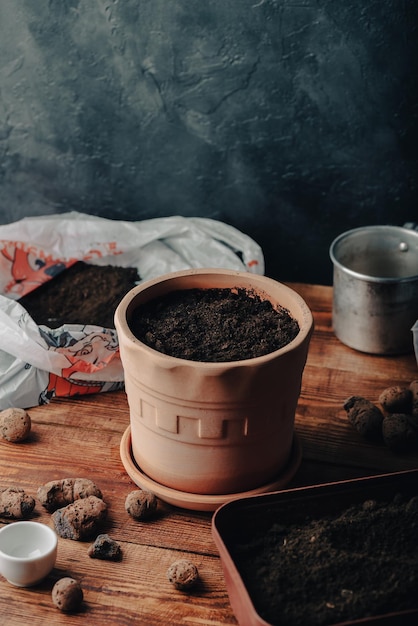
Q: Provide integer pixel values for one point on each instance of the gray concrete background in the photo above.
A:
(291, 120)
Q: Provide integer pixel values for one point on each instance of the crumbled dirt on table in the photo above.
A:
(213, 325)
(81, 294)
(321, 572)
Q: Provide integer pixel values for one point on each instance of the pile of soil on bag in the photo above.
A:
(213, 325)
(320, 572)
(81, 294)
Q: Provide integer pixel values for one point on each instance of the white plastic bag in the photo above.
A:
(38, 363)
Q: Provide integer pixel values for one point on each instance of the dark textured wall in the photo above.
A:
(291, 120)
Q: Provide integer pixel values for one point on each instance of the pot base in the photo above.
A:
(198, 501)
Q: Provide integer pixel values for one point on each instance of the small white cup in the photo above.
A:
(28, 551)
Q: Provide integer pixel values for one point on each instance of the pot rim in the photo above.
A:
(401, 230)
(254, 281)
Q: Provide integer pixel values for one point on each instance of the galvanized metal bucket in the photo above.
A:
(375, 299)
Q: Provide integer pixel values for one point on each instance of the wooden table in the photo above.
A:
(81, 437)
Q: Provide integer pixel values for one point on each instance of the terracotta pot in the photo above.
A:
(212, 428)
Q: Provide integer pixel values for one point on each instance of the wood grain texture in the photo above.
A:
(81, 437)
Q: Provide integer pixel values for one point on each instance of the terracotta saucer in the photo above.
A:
(198, 501)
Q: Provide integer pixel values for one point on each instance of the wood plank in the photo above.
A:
(134, 591)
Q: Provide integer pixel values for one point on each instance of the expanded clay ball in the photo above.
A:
(105, 548)
(365, 416)
(183, 574)
(15, 424)
(414, 388)
(58, 493)
(80, 519)
(396, 423)
(15, 503)
(400, 432)
(396, 399)
(141, 504)
(67, 594)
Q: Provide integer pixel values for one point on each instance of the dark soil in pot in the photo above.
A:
(361, 563)
(213, 325)
(81, 294)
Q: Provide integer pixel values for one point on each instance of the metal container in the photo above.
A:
(375, 300)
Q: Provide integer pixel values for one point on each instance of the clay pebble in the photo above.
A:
(365, 416)
(183, 574)
(105, 548)
(15, 425)
(15, 503)
(58, 493)
(67, 594)
(396, 399)
(141, 504)
(80, 519)
(400, 432)
(414, 389)
(397, 421)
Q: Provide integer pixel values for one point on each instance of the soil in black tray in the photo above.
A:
(213, 325)
(81, 294)
(319, 572)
